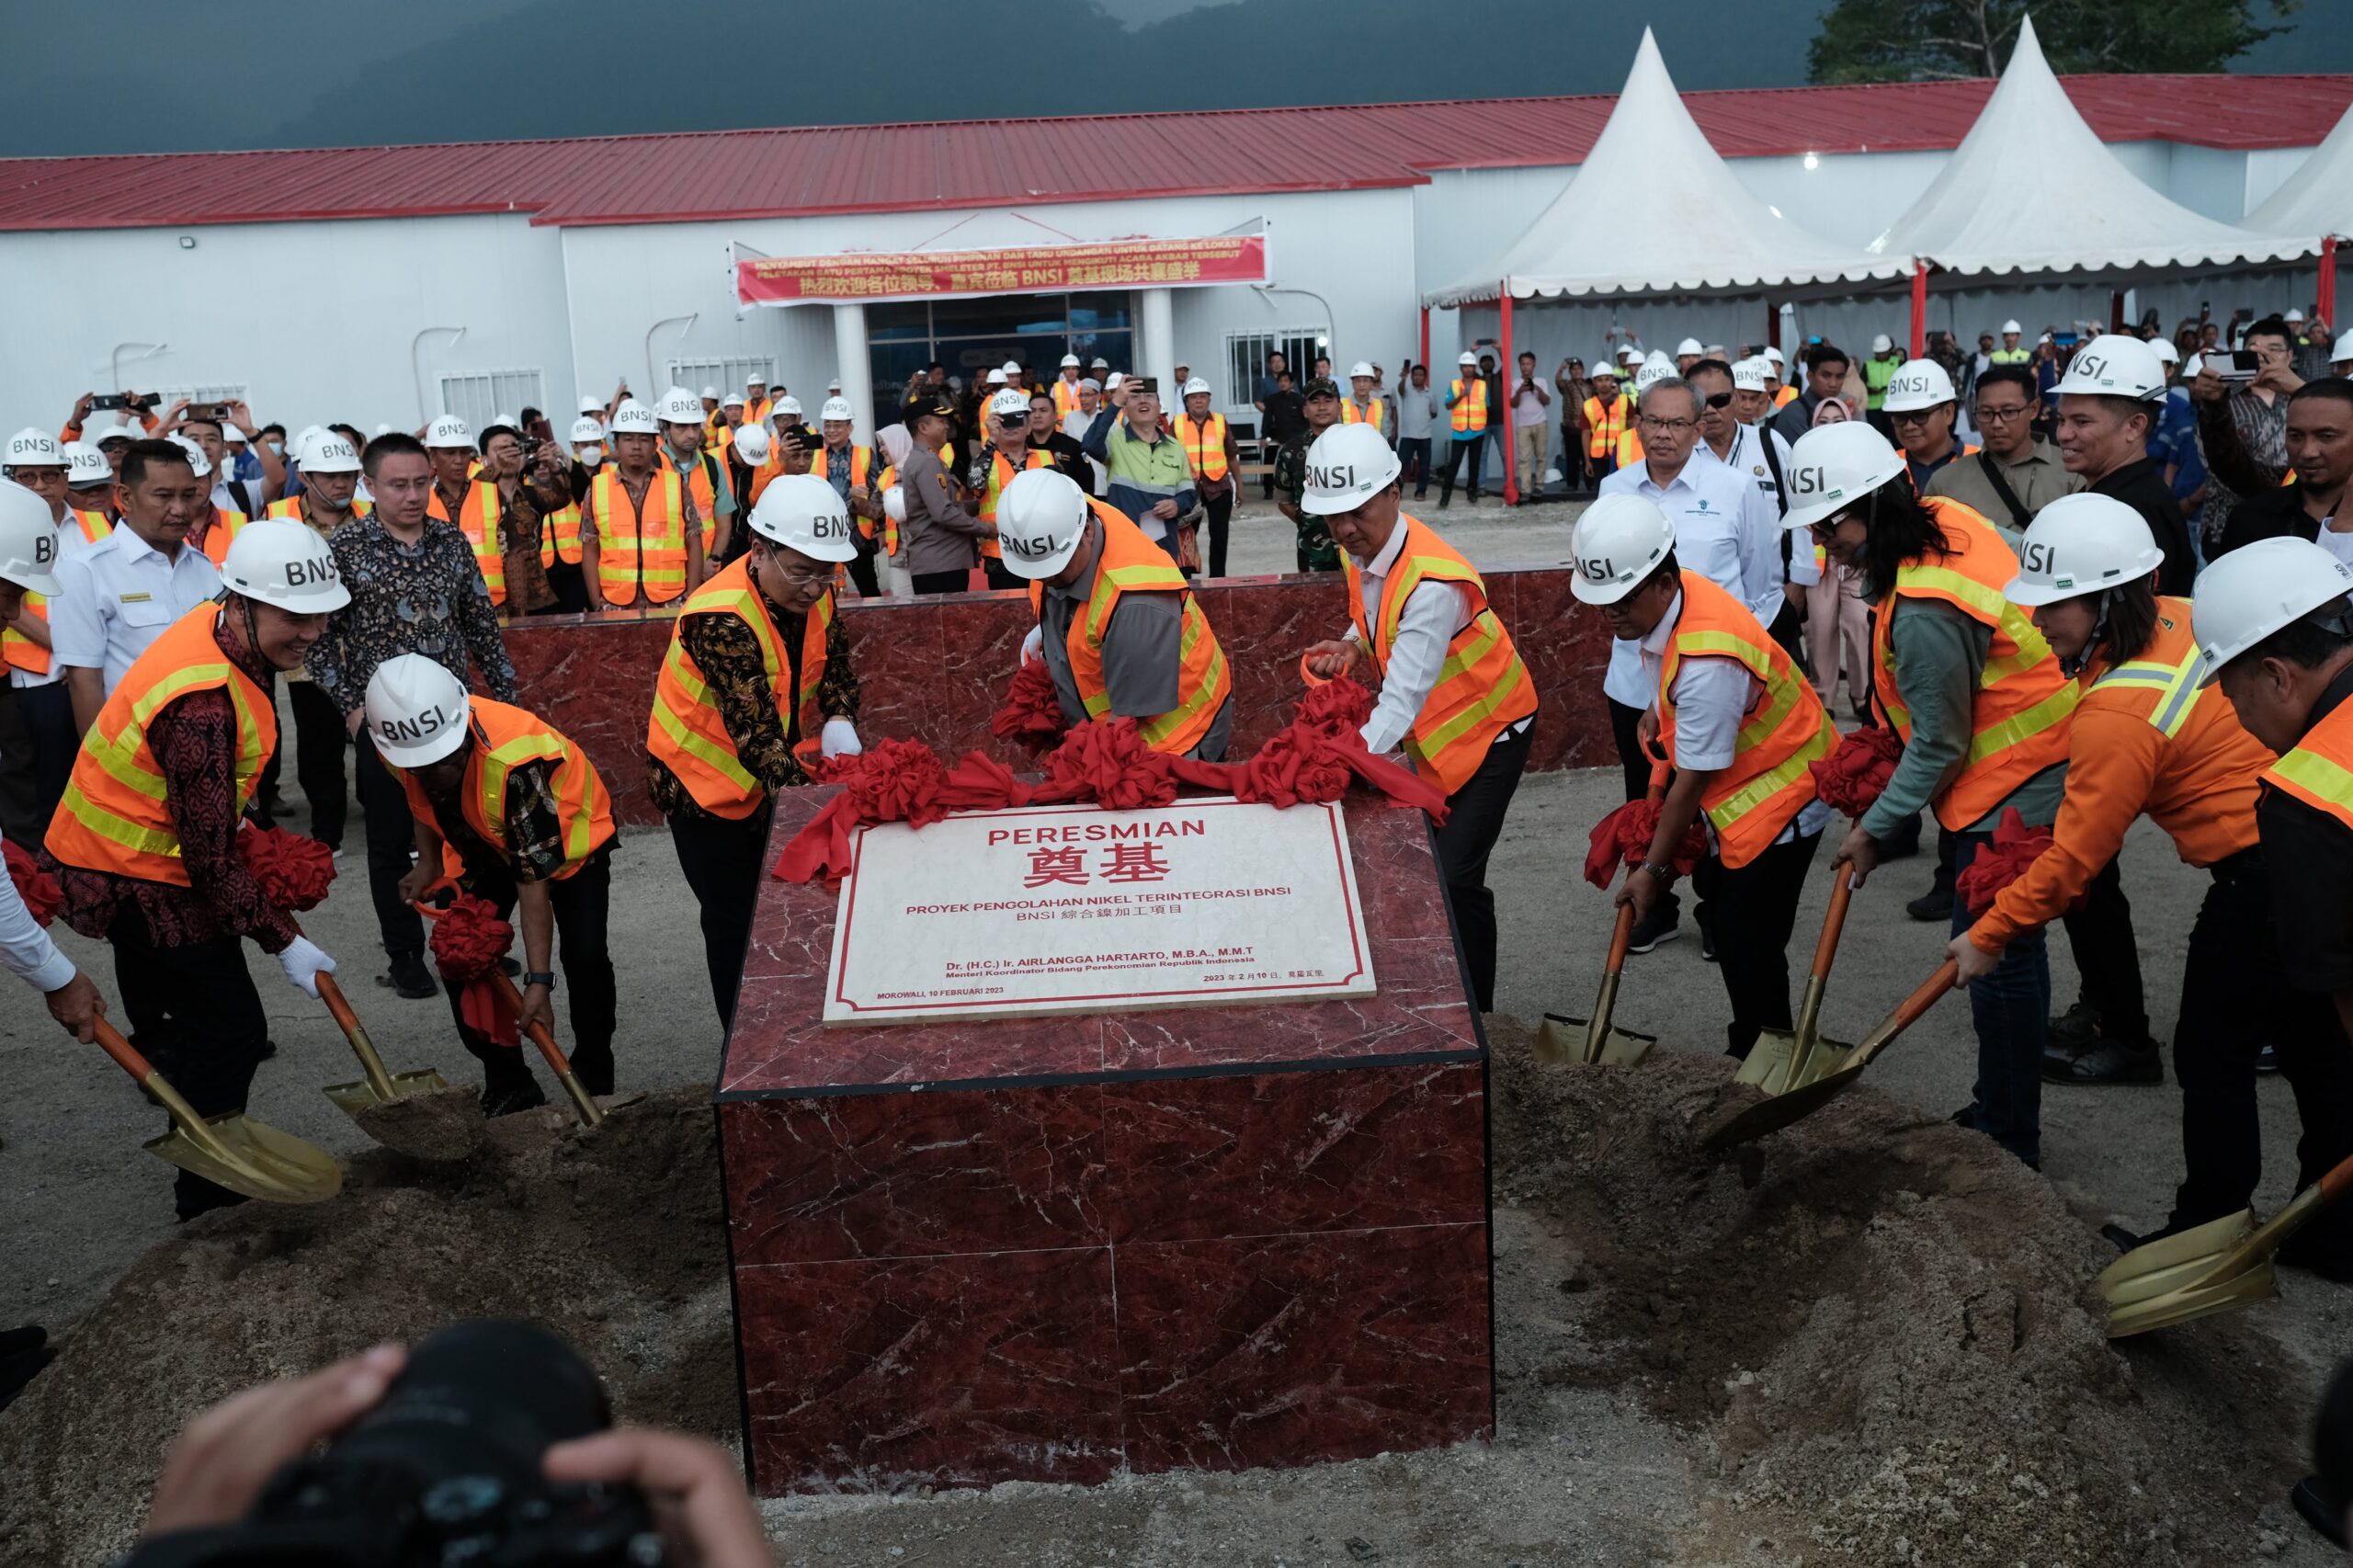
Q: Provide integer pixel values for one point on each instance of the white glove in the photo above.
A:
(303, 962)
(839, 738)
(1032, 647)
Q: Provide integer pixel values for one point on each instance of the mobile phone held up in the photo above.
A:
(2239, 365)
(114, 402)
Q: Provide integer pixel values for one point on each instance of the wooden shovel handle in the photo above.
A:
(1620, 936)
(126, 1055)
(2338, 1181)
(1833, 922)
(538, 1032)
(338, 1004)
(1911, 1010)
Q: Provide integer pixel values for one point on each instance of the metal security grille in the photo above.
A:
(475, 396)
(728, 375)
(1246, 361)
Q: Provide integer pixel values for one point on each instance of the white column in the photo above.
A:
(1156, 339)
(856, 368)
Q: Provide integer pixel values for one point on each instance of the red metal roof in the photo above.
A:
(999, 162)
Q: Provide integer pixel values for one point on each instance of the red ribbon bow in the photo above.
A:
(1854, 774)
(293, 871)
(36, 887)
(1032, 715)
(469, 940)
(2014, 847)
(1623, 838)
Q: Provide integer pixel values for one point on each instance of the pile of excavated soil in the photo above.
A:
(613, 1239)
(1877, 1325)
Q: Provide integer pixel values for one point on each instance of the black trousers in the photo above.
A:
(195, 1015)
(939, 582)
(391, 843)
(1753, 909)
(1789, 631)
(570, 589)
(2234, 996)
(1414, 460)
(1477, 448)
(722, 862)
(1474, 819)
(580, 902)
(2100, 934)
(37, 745)
(1218, 524)
(999, 576)
(318, 740)
(861, 575)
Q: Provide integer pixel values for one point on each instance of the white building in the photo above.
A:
(382, 285)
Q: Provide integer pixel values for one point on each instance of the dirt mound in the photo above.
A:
(614, 1239)
(1877, 1325)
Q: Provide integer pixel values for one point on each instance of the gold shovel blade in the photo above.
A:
(1828, 1056)
(1780, 1111)
(254, 1159)
(1766, 1065)
(353, 1099)
(2244, 1288)
(1563, 1041)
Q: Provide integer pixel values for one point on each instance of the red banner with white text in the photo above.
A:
(1025, 269)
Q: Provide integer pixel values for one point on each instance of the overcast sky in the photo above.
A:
(303, 72)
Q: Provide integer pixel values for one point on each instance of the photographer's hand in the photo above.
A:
(223, 1457)
(694, 1484)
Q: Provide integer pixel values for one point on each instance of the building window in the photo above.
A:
(1246, 363)
(728, 374)
(479, 396)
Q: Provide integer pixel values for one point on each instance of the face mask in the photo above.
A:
(277, 449)
(590, 456)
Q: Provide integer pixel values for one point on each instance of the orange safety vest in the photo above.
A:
(1470, 412)
(2319, 769)
(2164, 686)
(882, 483)
(115, 817)
(219, 527)
(1204, 444)
(1371, 414)
(637, 549)
(1482, 689)
(1966, 451)
(1131, 563)
(477, 518)
(2018, 720)
(704, 488)
(1787, 395)
(560, 537)
(1065, 398)
(1605, 426)
(1001, 474)
(757, 413)
(20, 651)
(687, 735)
(292, 508)
(1785, 727)
(505, 738)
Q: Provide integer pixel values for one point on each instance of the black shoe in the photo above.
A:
(1662, 925)
(2075, 1030)
(408, 977)
(18, 1370)
(2323, 1251)
(593, 1066)
(2266, 1059)
(1965, 1116)
(2321, 1511)
(2107, 1062)
(1934, 905)
(193, 1195)
(22, 1341)
(1707, 941)
(1903, 843)
(510, 1097)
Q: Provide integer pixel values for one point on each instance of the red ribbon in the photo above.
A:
(1853, 776)
(1623, 838)
(36, 887)
(469, 940)
(2014, 847)
(293, 871)
(1312, 761)
(1032, 715)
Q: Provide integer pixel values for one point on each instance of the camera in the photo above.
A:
(447, 1470)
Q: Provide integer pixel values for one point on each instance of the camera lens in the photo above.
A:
(522, 1387)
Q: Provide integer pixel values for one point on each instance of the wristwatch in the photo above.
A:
(533, 977)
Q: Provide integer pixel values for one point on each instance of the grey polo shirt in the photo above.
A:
(1143, 649)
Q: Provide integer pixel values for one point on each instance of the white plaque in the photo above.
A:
(1076, 909)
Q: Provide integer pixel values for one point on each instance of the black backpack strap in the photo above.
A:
(1993, 473)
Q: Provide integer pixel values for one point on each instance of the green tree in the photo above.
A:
(1932, 40)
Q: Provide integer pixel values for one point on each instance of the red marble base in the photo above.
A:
(935, 669)
(1217, 1237)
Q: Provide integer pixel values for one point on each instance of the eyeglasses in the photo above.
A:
(1910, 417)
(797, 579)
(1717, 400)
(1989, 415)
(1653, 422)
(1011, 421)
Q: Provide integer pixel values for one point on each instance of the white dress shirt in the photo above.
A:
(69, 542)
(1432, 614)
(25, 948)
(119, 596)
(1725, 529)
(1711, 696)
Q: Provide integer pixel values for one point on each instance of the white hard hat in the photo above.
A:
(755, 379)
(2294, 315)
(1688, 346)
(1630, 355)
(587, 432)
(679, 406)
(2259, 588)
(1100, 363)
(1116, 382)
(1617, 544)
(995, 379)
(1774, 355)
(803, 512)
(84, 464)
(835, 408)
(834, 386)
(894, 501)
(1193, 386)
(27, 540)
(302, 437)
(196, 459)
(30, 447)
(2112, 365)
(590, 403)
(752, 444)
(713, 392)
(1011, 367)
(417, 710)
(1656, 369)
(2195, 369)
(1347, 466)
(1468, 359)
(449, 431)
(383, 429)
(121, 430)
(1009, 402)
(2012, 325)
(2080, 544)
(2343, 352)
(1751, 375)
(1883, 344)
(633, 418)
(787, 404)
(232, 435)
(1362, 368)
(1831, 467)
(733, 400)
(1918, 384)
(1041, 519)
(279, 561)
(2166, 352)
(327, 452)
(1604, 369)
(1070, 362)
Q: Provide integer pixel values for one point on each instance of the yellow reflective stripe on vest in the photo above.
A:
(1477, 713)
(2022, 726)
(718, 758)
(2311, 775)
(1154, 731)
(2179, 683)
(1771, 782)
